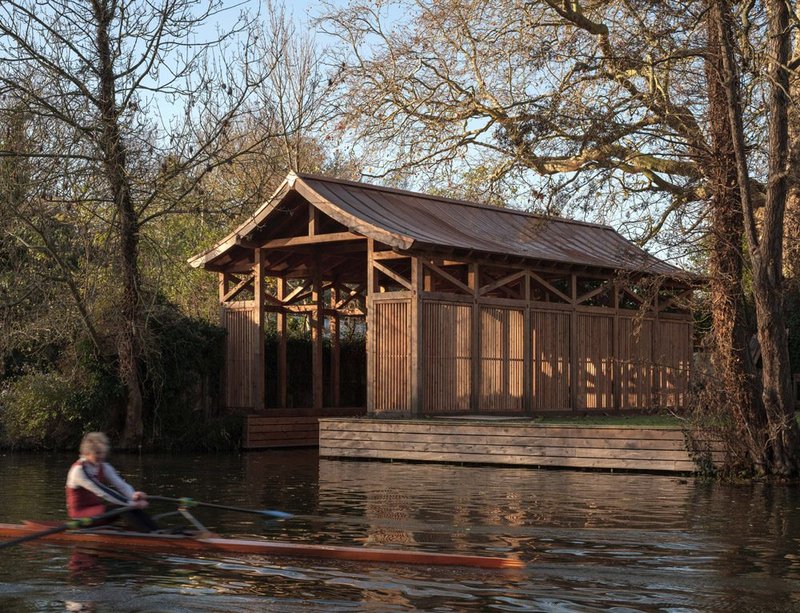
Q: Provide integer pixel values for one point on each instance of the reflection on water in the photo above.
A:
(591, 541)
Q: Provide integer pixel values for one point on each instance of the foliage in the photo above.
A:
(792, 310)
(52, 409)
(52, 405)
(182, 378)
(353, 375)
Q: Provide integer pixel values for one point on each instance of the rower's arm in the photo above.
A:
(118, 482)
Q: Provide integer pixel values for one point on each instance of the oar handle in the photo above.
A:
(73, 524)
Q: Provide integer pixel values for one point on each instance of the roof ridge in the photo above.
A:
(477, 205)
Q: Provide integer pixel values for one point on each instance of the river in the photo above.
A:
(591, 541)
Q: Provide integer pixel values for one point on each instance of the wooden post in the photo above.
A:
(475, 349)
(282, 329)
(655, 389)
(313, 220)
(573, 345)
(223, 286)
(260, 367)
(616, 363)
(527, 350)
(415, 326)
(223, 320)
(316, 335)
(335, 348)
(370, 327)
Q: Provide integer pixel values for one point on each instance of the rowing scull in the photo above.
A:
(213, 543)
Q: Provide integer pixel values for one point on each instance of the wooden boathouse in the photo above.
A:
(469, 310)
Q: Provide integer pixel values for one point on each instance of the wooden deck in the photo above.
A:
(651, 449)
(288, 427)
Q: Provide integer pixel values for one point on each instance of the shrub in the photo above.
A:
(50, 410)
(181, 383)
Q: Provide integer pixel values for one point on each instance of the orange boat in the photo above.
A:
(210, 543)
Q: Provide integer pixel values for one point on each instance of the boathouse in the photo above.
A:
(468, 310)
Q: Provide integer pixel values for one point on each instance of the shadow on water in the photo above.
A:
(591, 541)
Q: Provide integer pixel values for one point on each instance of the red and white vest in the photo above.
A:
(83, 503)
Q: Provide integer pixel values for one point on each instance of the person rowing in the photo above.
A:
(92, 483)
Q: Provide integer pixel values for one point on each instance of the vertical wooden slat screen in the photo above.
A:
(635, 342)
(672, 362)
(502, 359)
(550, 346)
(446, 359)
(392, 356)
(595, 362)
(241, 348)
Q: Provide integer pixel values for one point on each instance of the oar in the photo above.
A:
(73, 524)
(189, 502)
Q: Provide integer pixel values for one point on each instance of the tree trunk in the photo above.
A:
(791, 234)
(766, 249)
(768, 255)
(114, 158)
(734, 370)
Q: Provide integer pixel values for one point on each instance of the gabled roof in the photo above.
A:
(409, 221)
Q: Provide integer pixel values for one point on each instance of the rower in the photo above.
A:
(92, 483)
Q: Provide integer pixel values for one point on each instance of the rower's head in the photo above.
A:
(95, 446)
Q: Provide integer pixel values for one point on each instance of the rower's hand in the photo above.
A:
(139, 500)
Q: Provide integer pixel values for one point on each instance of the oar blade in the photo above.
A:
(276, 514)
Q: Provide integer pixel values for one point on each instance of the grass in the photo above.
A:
(660, 420)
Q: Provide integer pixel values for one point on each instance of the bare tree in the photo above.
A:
(142, 106)
(591, 101)
(613, 108)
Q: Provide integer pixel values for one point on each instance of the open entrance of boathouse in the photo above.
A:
(465, 309)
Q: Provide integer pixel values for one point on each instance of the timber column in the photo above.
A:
(259, 370)
(415, 338)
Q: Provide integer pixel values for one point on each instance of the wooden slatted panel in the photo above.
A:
(594, 347)
(446, 359)
(635, 343)
(673, 360)
(502, 340)
(550, 346)
(392, 356)
(241, 351)
(604, 447)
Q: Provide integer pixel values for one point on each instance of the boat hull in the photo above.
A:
(205, 544)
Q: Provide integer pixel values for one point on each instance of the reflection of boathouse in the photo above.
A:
(469, 309)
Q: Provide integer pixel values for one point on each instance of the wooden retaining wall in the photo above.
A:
(509, 442)
(287, 427)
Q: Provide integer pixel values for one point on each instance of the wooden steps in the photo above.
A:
(287, 427)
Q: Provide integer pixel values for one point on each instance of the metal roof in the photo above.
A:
(409, 221)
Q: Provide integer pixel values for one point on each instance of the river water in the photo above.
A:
(590, 541)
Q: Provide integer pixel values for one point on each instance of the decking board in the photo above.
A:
(517, 443)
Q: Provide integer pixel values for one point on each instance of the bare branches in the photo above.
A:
(535, 89)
